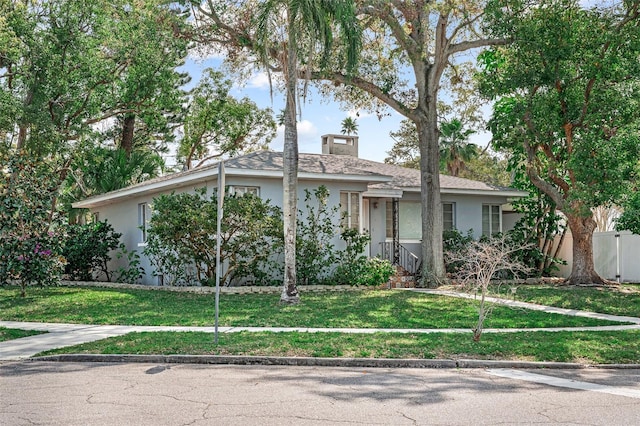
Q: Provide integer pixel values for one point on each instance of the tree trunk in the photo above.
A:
(583, 270)
(290, 178)
(433, 271)
(128, 126)
(22, 137)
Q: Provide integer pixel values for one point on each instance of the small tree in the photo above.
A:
(480, 262)
(30, 232)
(349, 126)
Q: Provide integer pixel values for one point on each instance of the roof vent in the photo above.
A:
(340, 145)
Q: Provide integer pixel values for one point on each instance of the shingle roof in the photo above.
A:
(401, 177)
(383, 176)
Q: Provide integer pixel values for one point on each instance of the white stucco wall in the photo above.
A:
(123, 215)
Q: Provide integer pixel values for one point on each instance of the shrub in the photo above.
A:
(87, 250)
(355, 268)
(181, 240)
(30, 233)
(315, 230)
(454, 241)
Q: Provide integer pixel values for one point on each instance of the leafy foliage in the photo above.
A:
(88, 249)
(455, 149)
(316, 229)
(132, 272)
(630, 218)
(349, 126)
(79, 63)
(567, 93)
(455, 242)
(355, 268)
(217, 124)
(182, 237)
(30, 233)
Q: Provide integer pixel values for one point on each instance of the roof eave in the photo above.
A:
(212, 174)
(494, 192)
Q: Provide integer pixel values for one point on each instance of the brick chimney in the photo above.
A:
(340, 145)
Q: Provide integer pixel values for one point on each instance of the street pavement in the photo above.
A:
(47, 393)
(191, 390)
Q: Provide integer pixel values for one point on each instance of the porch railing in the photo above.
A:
(405, 258)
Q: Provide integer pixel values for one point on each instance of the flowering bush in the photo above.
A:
(30, 236)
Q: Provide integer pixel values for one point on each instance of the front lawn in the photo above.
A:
(356, 309)
(12, 333)
(623, 299)
(582, 347)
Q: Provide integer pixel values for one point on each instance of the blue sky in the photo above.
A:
(319, 116)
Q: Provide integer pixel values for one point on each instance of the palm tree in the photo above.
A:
(349, 126)
(308, 31)
(455, 149)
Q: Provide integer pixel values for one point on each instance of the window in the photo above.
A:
(491, 219)
(410, 214)
(242, 190)
(350, 210)
(448, 216)
(144, 214)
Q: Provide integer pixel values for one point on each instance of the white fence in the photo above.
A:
(616, 255)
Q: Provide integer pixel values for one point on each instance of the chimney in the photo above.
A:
(340, 145)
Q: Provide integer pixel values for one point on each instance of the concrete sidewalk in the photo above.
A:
(61, 335)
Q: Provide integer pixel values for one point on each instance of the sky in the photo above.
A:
(319, 116)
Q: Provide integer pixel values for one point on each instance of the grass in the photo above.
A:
(358, 309)
(13, 333)
(617, 300)
(582, 347)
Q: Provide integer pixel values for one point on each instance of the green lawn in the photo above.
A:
(12, 333)
(582, 347)
(357, 309)
(617, 300)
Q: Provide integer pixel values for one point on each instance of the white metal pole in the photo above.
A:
(221, 179)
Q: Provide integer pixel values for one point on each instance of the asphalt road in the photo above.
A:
(51, 393)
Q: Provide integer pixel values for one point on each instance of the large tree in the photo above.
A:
(282, 35)
(78, 63)
(410, 46)
(568, 97)
(216, 124)
(419, 39)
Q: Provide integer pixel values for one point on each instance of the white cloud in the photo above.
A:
(259, 81)
(308, 138)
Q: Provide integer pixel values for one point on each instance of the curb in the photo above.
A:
(324, 362)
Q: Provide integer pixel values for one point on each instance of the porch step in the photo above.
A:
(402, 279)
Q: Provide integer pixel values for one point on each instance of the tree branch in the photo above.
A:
(368, 87)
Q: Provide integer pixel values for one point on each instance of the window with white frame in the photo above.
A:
(350, 210)
(410, 224)
(144, 215)
(448, 216)
(491, 219)
(242, 190)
